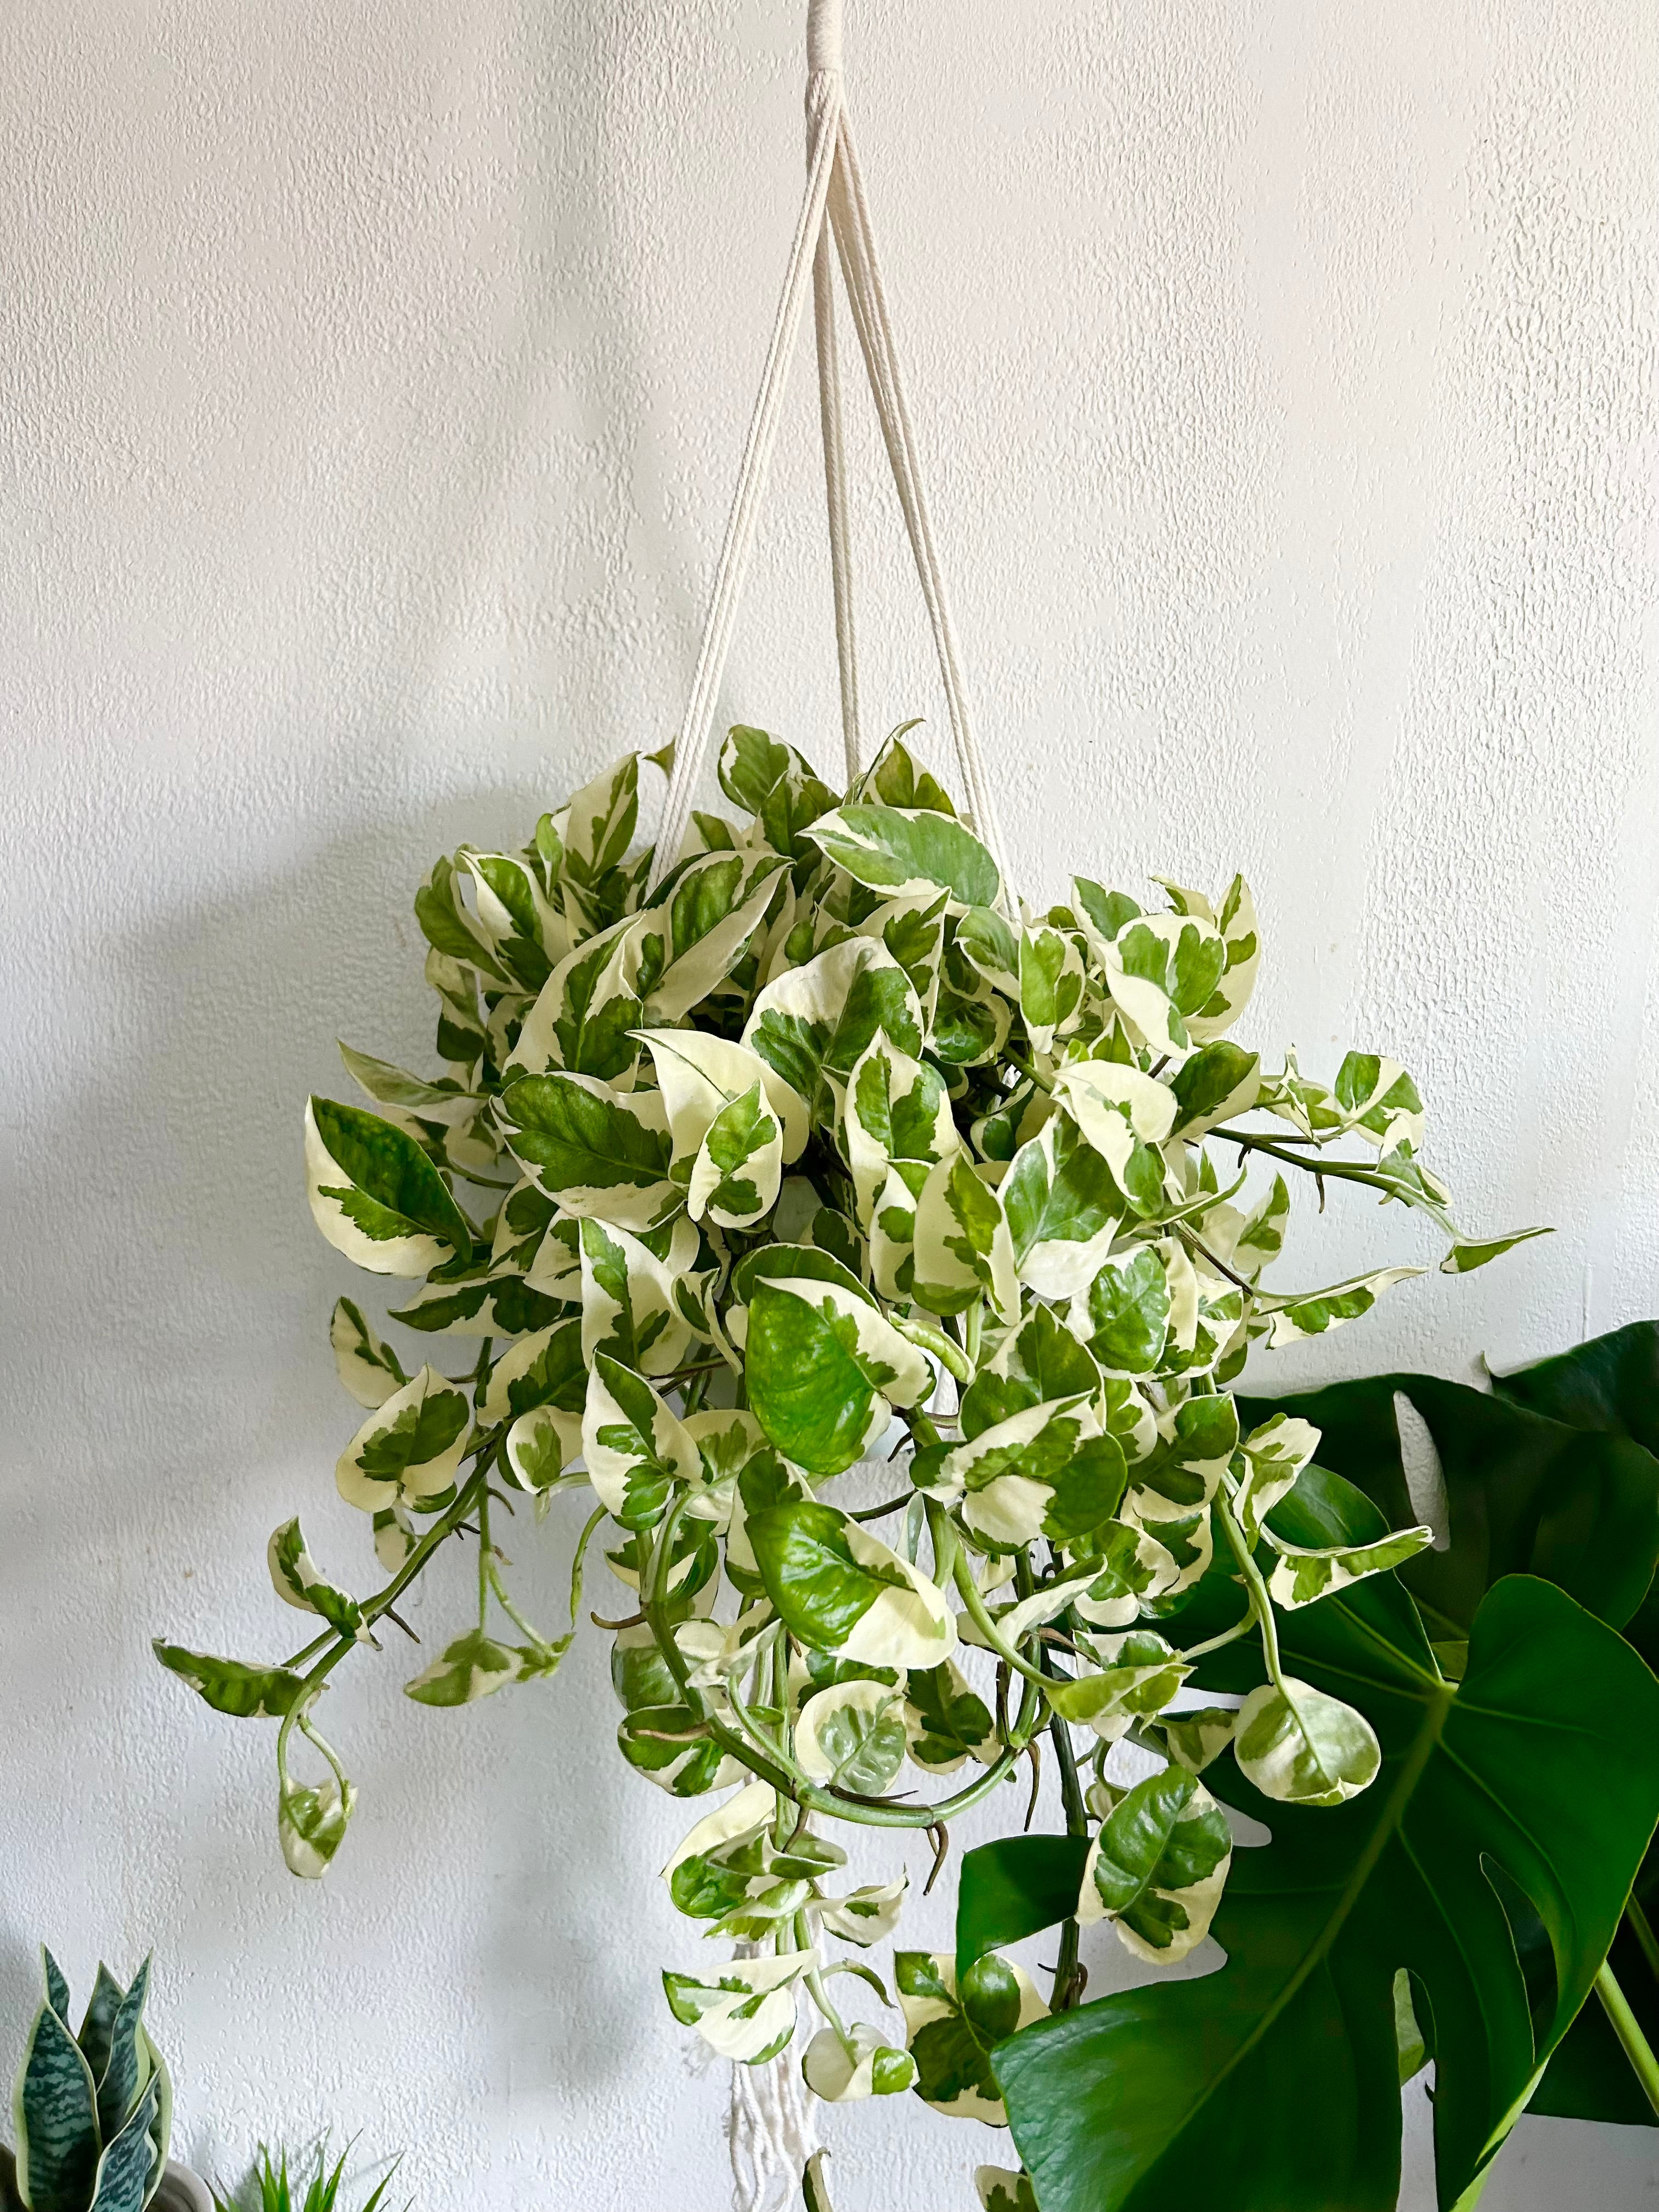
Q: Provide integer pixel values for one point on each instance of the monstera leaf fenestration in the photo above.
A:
(1281, 2071)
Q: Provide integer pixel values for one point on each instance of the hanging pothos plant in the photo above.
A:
(819, 1152)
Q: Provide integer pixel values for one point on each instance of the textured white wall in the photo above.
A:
(374, 379)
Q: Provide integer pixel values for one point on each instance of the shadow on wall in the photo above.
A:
(183, 1402)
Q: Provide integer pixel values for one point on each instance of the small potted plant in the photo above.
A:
(92, 2112)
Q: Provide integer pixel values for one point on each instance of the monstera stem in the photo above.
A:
(1635, 2046)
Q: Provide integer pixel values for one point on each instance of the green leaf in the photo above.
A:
(752, 765)
(823, 1369)
(474, 1666)
(1159, 1866)
(840, 1589)
(1217, 1082)
(124, 2169)
(1610, 1383)
(296, 1581)
(635, 1449)
(369, 1369)
(1526, 1495)
(1013, 1888)
(126, 2068)
(853, 1734)
(1283, 2066)
(952, 2026)
(55, 2111)
(229, 1686)
(311, 1825)
(409, 1452)
(811, 1024)
(603, 1154)
(905, 852)
(376, 1196)
(739, 1165)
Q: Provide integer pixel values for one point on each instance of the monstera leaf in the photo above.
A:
(1525, 1494)
(1281, 2071)
(1612, 1382)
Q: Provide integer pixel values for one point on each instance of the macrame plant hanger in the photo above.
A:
(836, 206)
(771, 2129)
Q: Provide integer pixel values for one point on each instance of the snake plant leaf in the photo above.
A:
(1610, 1383)
(1283, 2064)
(375, 1195)
(634, 1448)
(546, 1369)
(125, 2070)
(409, 1450)
(688, 940)
(853, 1734)
(124, 2168)
(604, 1154)
(838, 1589)
(297, 1580)
(228, 1685)
(810, 1024)
(824, 1369)
(871, 2069)
(99, 2018)
(963, 1250)
(1306, 1314)
(1063, 1210)
(1157, 1866)
(739, 1165)
(55, 2115)
(1525, 1494)
(907, 851)
(369, 1369)
(1048, 1472)
(952, 2025)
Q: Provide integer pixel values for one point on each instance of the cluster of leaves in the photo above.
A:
(92, 2112)
(274, 2190)
(820, 1150)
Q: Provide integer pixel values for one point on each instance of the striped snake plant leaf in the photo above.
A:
(55, 2119)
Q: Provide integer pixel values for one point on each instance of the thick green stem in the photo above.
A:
(1260, 1604)
(1065, 1990)
(1635, 2044)
(1642, 1927)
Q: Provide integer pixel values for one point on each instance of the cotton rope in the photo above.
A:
(835, 202)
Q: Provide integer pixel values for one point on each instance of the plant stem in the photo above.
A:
(1065, 1991)
(1635, 2044)
(1260, 1604)
(1642, 1927)
(973, 1604)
